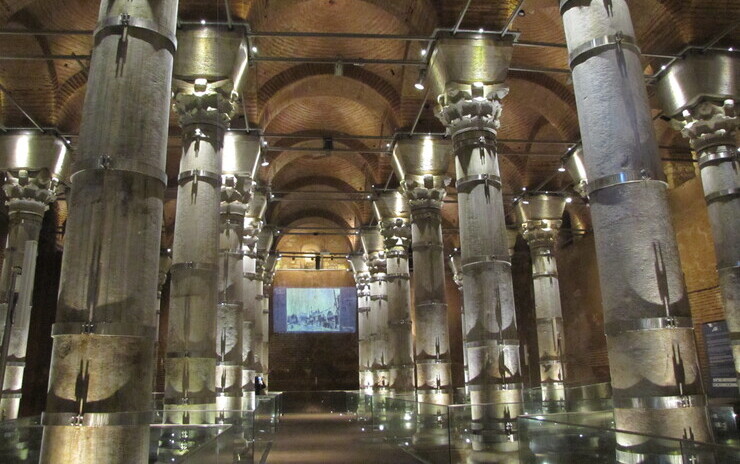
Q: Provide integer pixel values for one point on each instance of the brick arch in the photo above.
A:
(310, 80)
(351, 211)
(413, 16)
(321, 221)
(366, 164)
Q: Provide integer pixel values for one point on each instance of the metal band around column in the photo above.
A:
(599, 44)
(106, 163)
(717, 157)
(112, 329)
(392, 277)
(661, 402)
(649, 323)
(196, 175)
(544, 274)
(96, 419)
(427, 246)
(723, 194)
(625, 177)
(125, 21)
(485, 259)
(496, 387)
(190, 265)
(466, 184)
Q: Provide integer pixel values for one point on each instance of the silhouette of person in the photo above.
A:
(259, 386)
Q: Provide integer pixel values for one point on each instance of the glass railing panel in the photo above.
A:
(20, 440)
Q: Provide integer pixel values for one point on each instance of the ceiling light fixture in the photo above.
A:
(265, 163)
(561, 169)
(422, 77)
(254, 49)
(424, 51)
(203, 22)
(568, 200)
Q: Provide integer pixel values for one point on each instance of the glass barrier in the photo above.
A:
(543, 440)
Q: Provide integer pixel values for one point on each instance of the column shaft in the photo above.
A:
(491, 337)
(16, 286)
(549, 316)
(712, 129)
(229, 326)
(400, 341)
(378, 327)
(191, 352)
(432, 357)
(652, 353)
(101, 366)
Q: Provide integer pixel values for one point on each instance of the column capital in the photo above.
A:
(709, 123)
(473, 107)
(213, 106)
(36, 186)
(396, 233)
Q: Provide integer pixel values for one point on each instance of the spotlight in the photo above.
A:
(481, 30)
(254, 49)
(265, 163)
(422, 77)
(568, 200)
(423, 51)
(561, 169)
(730, 49)
(203, 22)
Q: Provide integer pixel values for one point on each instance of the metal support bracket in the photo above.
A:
(599, 44)
(190, 265)
(649, 323)
(196, 174)
(111, 329)
(661, 402)
(466, 184)
(126, 21)
(625, 177)
(96, 419)
(119, 163)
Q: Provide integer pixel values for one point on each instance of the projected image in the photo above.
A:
(315, 309)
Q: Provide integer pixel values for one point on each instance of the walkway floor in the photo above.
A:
(328, 438)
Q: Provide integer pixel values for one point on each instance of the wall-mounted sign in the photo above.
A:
(721, 365)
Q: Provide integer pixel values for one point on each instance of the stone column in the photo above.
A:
(99, 400)
(700, 93)
(239, 165)
(261, 334)
(650, 337)
(267, 281)
(205, 99)
(421, 163)
(470, 107)
(372, 242)
(252, 226)
(540, 218)
(392, 212)
(34, 166)
(455, 263)
(165, 263)
(362, 283)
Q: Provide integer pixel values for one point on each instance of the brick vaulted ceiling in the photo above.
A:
(298, 102)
